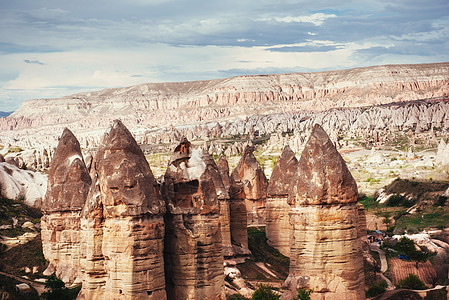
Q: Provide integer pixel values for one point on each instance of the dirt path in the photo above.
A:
(383, 264)
(40, 287)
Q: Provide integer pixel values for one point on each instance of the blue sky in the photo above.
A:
(54, 48)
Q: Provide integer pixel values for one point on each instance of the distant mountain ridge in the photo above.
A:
(161, 104)
(5, 113)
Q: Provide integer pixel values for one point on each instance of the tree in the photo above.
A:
(265, 292)
(411, 282)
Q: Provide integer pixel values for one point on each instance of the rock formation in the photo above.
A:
(326, 251)
(193, 249)
(223, 199)
(68, 185)
(21, 184)
(248, 183)
(122, 224)
(277, 212)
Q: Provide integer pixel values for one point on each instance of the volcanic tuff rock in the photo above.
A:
(122, 224)
(193, 240)
(278, 226)
(188, 102)
(248, 182)
(326, 252)
(223, 199)
(19, 184)
(68, 185)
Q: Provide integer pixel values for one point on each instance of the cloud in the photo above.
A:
(33, 61)
(54, 48)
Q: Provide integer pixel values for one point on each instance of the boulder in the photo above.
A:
(278, 226)
(326, 251)
(193, 240)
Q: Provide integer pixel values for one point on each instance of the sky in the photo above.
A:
(54, 48)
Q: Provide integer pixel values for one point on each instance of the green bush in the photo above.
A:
(411, 282)
(235, 297)
(376, 289)
(264, 292)
(303, 294)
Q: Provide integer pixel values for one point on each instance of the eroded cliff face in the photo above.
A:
(278, 226)
(326, 248)
(68, 185)
(212, 99)
(193, 240)
(122, 224)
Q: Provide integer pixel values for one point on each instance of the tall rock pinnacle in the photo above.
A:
(123, 225)
(326, 249)
(193, 240)
(68, 185)
(277, 211)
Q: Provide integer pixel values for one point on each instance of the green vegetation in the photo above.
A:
(368, 202)
(235, 297)
(303, 294)
(411, 282)
(407, 246)
(262, 252)
(16, 209)
(377, 288)
(264, 292)
(431, 217)
(58, 290)
(16, 259)
(398, 200)
(14, 149)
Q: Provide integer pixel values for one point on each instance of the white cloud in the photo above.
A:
(316, 19)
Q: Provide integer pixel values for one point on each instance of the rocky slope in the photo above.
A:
(187, 102)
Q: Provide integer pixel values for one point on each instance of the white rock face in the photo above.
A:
(16, 184)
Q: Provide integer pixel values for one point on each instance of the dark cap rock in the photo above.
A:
(68, 178)
(283, 173)
(323, 176)
(125, 180)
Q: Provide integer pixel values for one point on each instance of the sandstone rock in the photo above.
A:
(68, 185)
(122, 224)
(223, 198)
(193, 249)
(326, 252)
(278, 226)
(248, 182)
(24, 185)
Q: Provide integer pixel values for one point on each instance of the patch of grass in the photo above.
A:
(26, 255)
(14, 149)
(368, 202)
(433, 217)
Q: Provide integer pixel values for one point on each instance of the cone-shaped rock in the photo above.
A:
(248, 182)
(326, 252)
(123, 225)
(68, 185)
(193, 244)
(223, 198)
(277, 212)
(223, 168)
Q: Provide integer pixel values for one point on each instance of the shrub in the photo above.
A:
(411, 282)
(235, 297)
(303, 294)
(441, 201)
(264, 292)
(377, 289)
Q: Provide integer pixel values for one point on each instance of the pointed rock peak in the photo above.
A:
(223, 164)
(68, 145)
(125, 180)
(68, 178)
(248, 150)
(207, 158)
(118, 137)
(283, 172)
(287, 154)
(323, 176)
